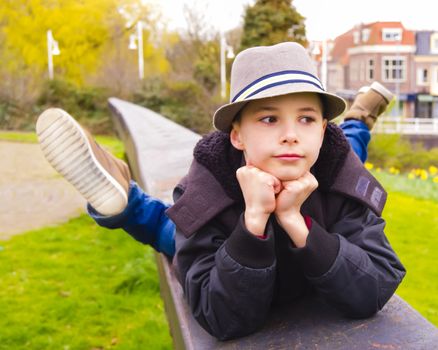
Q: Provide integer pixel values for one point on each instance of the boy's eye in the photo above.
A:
(307, 119)
(269, 119)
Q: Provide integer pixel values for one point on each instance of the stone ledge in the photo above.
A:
(159, 152)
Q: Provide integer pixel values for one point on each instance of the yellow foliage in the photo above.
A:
(394, 170)
(423, 174)
(368, 165)
(83, 29)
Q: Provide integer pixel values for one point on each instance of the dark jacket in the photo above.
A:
(231, 277)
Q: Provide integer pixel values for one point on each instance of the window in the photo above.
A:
(392, 34)
(365, 34)
(393, 69)
(356, 37)
(370, 70)
(422, 76)
(434, 43)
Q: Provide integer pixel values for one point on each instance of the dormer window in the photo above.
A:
(356, 37)
(392, 34)
(365, 34)
(434, 43)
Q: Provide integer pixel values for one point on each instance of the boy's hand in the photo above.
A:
(288, 207)
(259, 190)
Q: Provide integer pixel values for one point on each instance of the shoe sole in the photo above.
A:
(67, 148)
(387, 95)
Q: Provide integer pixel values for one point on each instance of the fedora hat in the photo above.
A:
(267, 71)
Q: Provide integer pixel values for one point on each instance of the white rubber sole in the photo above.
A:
(388, 95)
(67, 149)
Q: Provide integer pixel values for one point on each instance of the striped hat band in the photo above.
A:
(275, 79)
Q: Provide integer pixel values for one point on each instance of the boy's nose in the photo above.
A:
(289, 134)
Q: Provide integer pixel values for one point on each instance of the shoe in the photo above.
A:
(369, 104)
(100, 177)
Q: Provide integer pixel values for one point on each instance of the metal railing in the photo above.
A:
(406, 126)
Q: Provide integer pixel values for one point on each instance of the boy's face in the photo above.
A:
(281, 135)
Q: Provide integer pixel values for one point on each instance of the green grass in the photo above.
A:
(112, 144)
(417, 188)
(412, 228)
(79, 286)
(17, 136)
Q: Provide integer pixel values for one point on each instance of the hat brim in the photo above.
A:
(333, 105)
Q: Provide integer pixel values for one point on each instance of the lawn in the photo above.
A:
(79, 286)
(412, 229)
(112, 144)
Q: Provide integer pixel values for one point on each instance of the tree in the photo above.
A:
(269, 22)
(95, 61)
(85, 31)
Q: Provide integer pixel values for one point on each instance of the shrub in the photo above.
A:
(87, 104)
(183, 101)
(388, 151)
(14, 117)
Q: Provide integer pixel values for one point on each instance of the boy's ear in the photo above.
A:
(324, 128)
(235, 139)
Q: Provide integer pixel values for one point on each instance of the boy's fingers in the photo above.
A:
(277, 185)
(311, 180)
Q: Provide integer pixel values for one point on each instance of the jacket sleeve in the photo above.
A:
(365, 271)
(144, 219)
(228, 281)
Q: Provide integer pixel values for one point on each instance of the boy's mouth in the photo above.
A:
(289, 156)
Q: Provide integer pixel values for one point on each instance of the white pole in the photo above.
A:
(222, 65)
(49, 53)
(324, 64)
(140, 51)
(397, 82)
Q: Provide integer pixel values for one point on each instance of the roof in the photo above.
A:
(375, 38)
(341, 45)
(346, 40)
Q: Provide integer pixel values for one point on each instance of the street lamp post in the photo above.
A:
(398, 68)
(138, 46)
(319, 53)
(228, 50)
(52, 50)
(324, 72)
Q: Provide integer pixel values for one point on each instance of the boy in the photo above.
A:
(267, 234)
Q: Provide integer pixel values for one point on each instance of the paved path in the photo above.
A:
(32, 194)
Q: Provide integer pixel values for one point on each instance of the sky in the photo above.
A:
(325, 19)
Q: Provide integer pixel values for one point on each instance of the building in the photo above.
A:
(403, 60)
(426, 67)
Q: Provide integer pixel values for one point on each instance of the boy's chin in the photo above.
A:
(283, 177)
(288, 178)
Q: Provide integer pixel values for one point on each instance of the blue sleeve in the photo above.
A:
(358, 134)
(144, 218)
